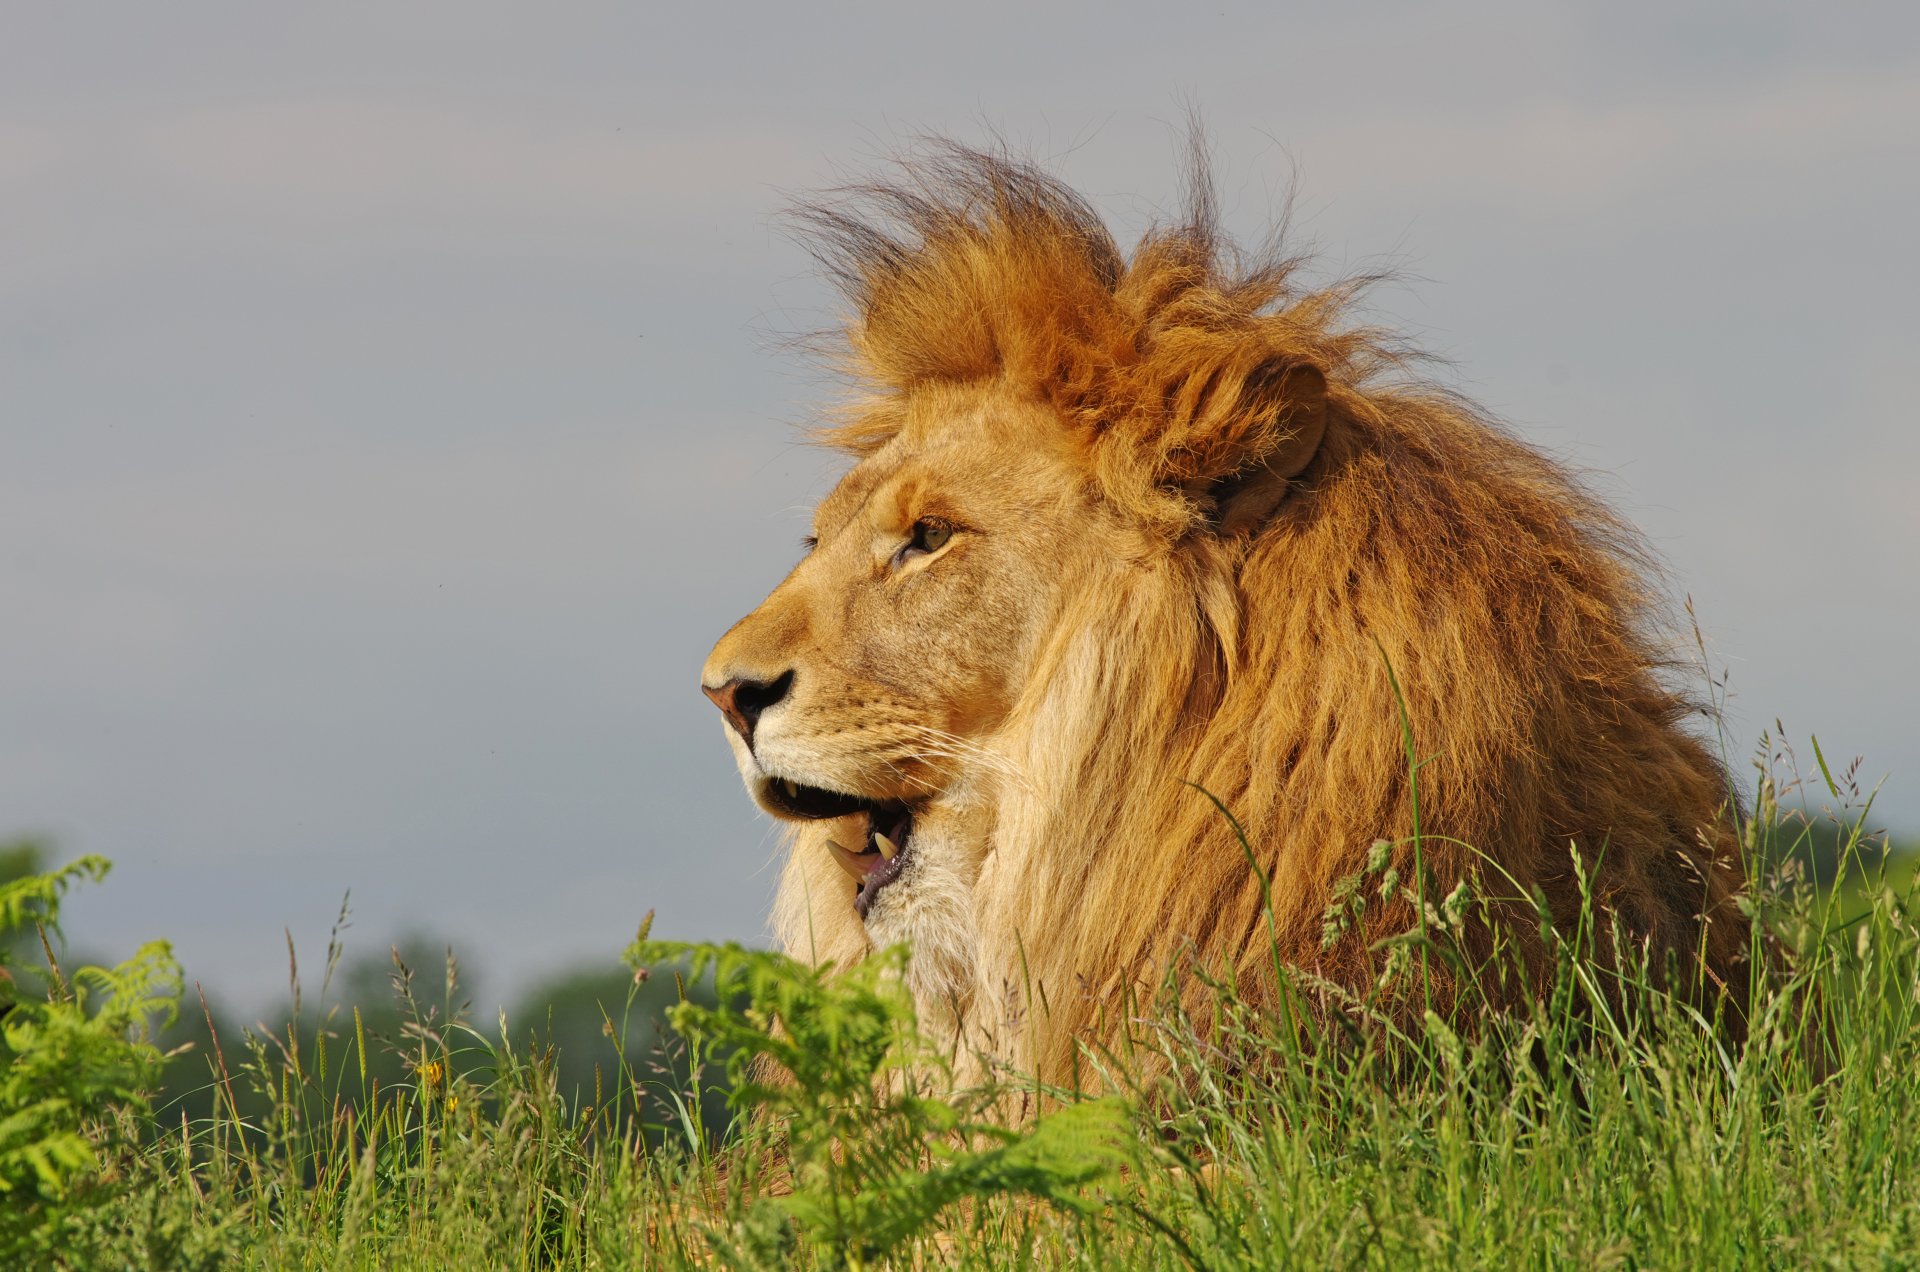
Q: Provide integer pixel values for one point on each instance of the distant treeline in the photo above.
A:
(594, 1028)
(1813, 846)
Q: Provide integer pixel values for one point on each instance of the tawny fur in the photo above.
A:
(1095, 644)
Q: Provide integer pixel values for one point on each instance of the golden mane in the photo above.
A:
(1421, 542)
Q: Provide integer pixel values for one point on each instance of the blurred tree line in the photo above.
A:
(601, 1032)
(1813, 846)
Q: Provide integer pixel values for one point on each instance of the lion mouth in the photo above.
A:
(885, 846)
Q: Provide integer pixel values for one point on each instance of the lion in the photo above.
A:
(1124, 535)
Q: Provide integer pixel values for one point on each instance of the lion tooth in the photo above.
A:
(791, 787)
(848, 861)
(888, 848)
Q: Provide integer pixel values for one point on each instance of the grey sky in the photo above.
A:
(391, 412)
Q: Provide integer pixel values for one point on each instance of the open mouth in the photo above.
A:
(872, 864)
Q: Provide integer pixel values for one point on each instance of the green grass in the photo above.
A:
(1606, 1125)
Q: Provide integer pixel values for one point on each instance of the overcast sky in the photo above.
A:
(393, 412)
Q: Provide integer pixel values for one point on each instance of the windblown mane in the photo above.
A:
(1422, 546)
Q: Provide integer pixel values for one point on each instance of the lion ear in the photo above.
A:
(1244, 500)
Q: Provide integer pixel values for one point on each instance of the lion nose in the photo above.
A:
(742, 701)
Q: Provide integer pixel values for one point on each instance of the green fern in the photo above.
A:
(69, 1060)
(876, 1146)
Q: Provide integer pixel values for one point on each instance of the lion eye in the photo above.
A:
(929, 535)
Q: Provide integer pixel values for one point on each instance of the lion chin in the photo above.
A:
(1123, 534)
(909, 872)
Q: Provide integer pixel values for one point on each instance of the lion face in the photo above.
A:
(862, 696)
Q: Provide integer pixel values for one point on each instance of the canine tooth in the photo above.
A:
(848, 861)
(791, 787)
(888, 848)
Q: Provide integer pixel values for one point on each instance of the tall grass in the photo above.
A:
(1606, 1123)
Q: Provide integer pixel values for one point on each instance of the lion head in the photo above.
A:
(1124, 532)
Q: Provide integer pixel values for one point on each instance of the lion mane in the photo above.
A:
(1325, 546)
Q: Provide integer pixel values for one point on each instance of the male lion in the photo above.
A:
(1126, 531)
